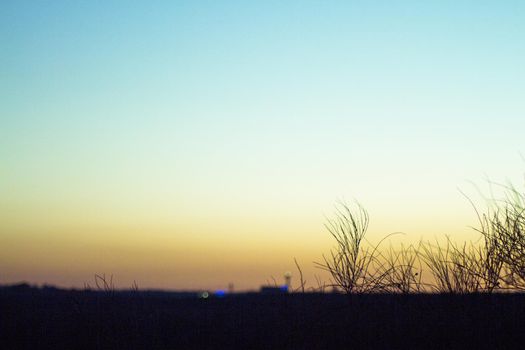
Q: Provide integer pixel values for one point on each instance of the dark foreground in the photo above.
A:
(55, 319)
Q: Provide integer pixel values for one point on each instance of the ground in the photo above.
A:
(36, 318)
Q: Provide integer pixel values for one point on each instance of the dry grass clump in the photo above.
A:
(403, 270)
(496, 262)
(455, 269)
(504, 227)
(354, 264)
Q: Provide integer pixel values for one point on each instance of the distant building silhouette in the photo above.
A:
(273, 290)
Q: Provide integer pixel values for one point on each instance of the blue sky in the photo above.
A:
(186, 116)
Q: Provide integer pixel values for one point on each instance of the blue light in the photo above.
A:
(284, 288)
(220, 293)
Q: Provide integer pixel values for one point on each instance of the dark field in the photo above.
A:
(32, 318)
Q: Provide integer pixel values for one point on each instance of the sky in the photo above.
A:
(190, 144)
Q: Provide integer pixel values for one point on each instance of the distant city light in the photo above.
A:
(204, 295)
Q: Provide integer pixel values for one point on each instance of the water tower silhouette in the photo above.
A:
(288, 279)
